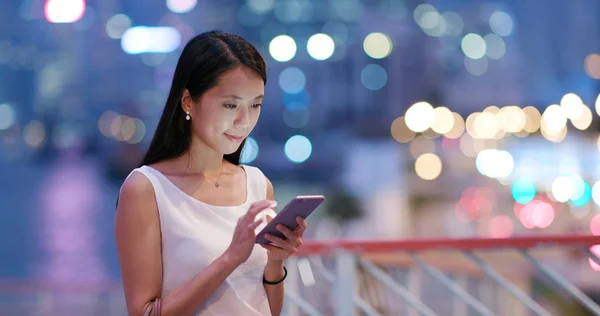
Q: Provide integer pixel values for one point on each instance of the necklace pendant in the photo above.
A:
(217, 184)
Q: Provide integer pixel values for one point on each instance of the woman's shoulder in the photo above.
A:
(260, 179)
(137, 183)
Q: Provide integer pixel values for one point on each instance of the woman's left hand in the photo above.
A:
(281, 249)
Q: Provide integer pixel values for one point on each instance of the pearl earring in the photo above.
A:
(187, 117)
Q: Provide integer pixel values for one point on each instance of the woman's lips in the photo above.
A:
(237, 139)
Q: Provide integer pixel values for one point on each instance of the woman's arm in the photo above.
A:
(137, 230)
(274, 272)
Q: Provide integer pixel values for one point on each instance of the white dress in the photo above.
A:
(194, 234)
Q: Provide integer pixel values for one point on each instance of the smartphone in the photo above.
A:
(302, 205)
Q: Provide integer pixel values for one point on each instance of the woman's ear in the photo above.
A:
(186, 101)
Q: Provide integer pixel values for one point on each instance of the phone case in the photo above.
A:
(301, 206)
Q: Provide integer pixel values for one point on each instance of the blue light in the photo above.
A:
(294, 101)
(523, 190)
(585, 197)
(373, 77)
(298, 149)
(250, 151)
(292, 80)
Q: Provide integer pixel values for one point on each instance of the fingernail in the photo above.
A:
(273, 203)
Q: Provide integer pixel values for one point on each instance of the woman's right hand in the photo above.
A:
(244, 237)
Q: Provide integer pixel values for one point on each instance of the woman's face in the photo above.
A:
(226, 114)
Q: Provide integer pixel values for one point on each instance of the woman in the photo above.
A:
(186, 219)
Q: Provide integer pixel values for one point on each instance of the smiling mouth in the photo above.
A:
(237, 139)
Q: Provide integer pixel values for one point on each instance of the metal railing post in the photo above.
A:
(345, 281)
(291, 309)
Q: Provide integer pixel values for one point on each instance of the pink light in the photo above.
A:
(595, 225)
(64, 11)
(596, 250)
(536, 214)
(542, 215)
(525, 215)
(501, 226)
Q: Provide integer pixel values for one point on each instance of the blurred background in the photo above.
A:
(417, 119)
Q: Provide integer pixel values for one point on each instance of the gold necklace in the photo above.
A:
(218, 182)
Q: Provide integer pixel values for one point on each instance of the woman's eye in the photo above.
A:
(257, 105)
(230, 106)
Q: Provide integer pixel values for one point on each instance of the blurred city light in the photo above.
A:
(538, 214)
(501, 23)
(292, 80)
(298, 149)
(145, 39)
(373, 77)
(473, 46)
(494, 163)
(420, 116)
(444, 120)
(428, 166)
(400, 131)
(117, 25)
(501, 226)
(181, 6)
(523, 190)
(377, 45)
(320, 46)
(7, 116)
(496, 48)
(261, 6)
(250, 151)
(64, 11)
(282, 48)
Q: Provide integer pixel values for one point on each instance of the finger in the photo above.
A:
(255, 224)
(290, 236)
(301, 226)
(271, 248)
(277, 251)
(258, 207)
(278, 242)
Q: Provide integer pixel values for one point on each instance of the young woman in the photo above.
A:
(186, 219)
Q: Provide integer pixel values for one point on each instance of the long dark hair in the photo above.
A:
(204, 58)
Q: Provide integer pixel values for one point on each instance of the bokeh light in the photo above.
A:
(473, 46)
(7, 116)
(537, 213)
(181, 6)
(250, 151)
(320, 46)
(494, 163)
(145, 39)
(377, 45)
(523, 190)
(373, 77)
(501, 226)
(64, 11)
(117, 25)
(292, 80)
(428, 166)
(298, 148)
(496, 48)
(282, 48)
(420, 116)
(501, 23)
(400, 131)
(443, 121)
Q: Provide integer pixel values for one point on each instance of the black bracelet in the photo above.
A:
(276, 282)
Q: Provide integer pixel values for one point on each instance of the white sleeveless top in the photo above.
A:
(194, 234)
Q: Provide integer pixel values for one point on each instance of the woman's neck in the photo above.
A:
(202, 159)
